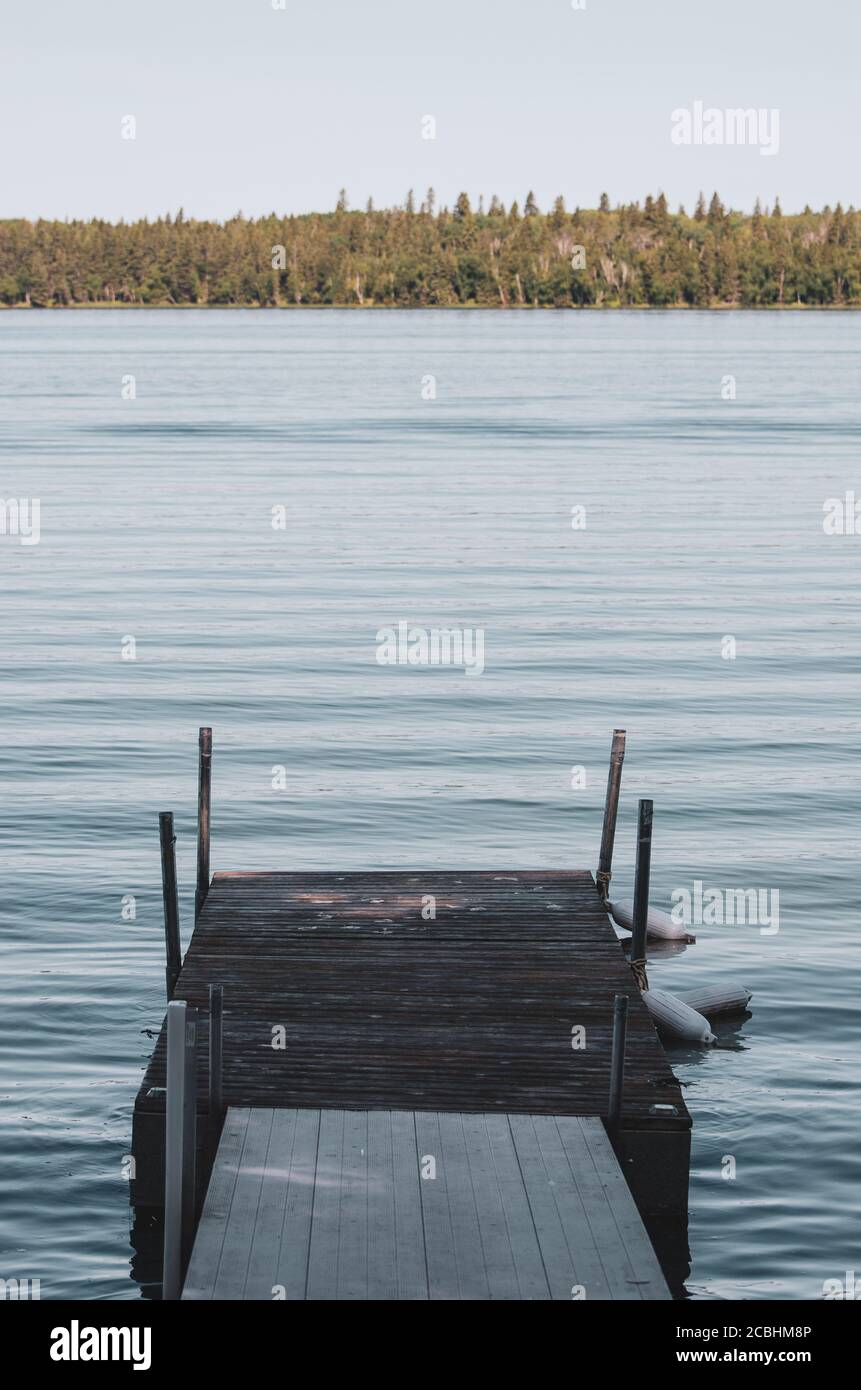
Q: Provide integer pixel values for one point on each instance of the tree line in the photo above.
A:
(423, 255)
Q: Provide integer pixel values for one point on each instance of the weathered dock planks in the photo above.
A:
(379, 1007)
(414, 1205)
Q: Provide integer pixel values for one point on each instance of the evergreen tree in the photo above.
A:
(716, 211)
(559, 216)
(836, 229)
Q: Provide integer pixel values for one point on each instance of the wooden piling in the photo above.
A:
(189, 1137)
(617, 1060)
(173, 1149)
(611, 806)
(173, 950)
(641, 892)
(204, 798)
(216, 1013)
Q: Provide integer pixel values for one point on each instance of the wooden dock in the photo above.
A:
(394, 1204)
(339, 994)
(476, 1006)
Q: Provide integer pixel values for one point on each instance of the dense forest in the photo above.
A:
(414, 255)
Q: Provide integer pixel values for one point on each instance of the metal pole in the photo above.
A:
(173, 950)
(189, 1136)
(216, 1043)
(641, 890)
(173, 1150)
(617, 1059)
(611, 806)
(204, 796)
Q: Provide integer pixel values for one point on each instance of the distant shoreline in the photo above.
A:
(441, 308)
(632, 256)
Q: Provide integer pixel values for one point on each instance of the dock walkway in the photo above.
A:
(429, 994)
(394, 1204)
(338, 992)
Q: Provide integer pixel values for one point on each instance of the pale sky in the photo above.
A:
(239, 105)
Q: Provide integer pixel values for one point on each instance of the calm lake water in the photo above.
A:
(704, 521)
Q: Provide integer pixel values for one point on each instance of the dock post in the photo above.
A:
(611, 806)
(617, 1060)
(641, 893)
(173, 951)
(189, 1137)
(216, 1050)
(204, 796)
(174, 1134)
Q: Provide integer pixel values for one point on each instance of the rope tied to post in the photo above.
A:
(638, 969)
(611, 806)
(641, 894)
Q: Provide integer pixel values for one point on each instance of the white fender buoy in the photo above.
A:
(676, 1018)
(658, 924)
(717, 999)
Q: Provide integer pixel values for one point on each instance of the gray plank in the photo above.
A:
(442, 1274)
(325, 1218)
(616, 1272)
(646, 1270)
(206, 1254)
(598, 1202)
(528, 1263)
(295, 1233)
(496, 1248)
(261, 1279)
(468, 1252)
(382, 1222)
(600, 1256)
(567, 1245)
(410, 1256)
(236, 1251)
(353, 1214)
